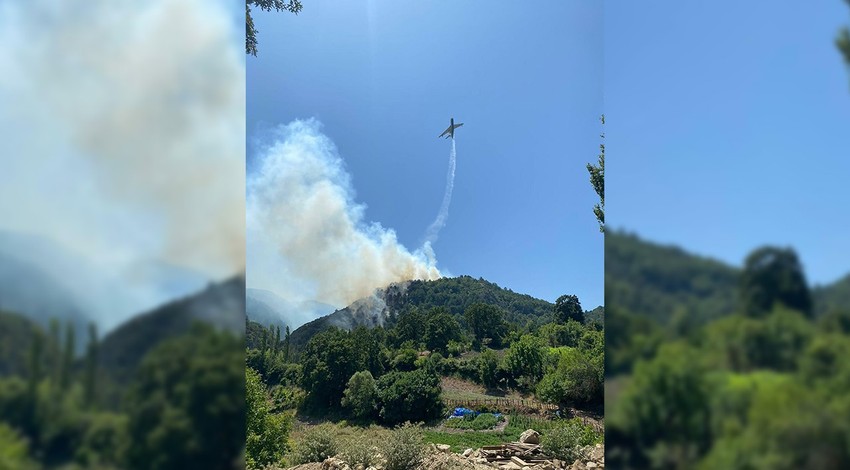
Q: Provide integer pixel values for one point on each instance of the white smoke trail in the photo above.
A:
(443, 215)
(306, 236)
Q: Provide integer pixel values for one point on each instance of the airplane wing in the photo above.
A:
(458, 125)
(445, 132)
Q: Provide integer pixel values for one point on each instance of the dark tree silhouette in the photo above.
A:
(567, 307)
(774, 275)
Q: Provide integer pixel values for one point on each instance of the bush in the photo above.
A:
(361, 394)
(565, 442)
(266, 432)
(316, 445)
(404, 448)
(286, 398)
(13, 450)
(488, 367)
(104, 441)
(359, 450)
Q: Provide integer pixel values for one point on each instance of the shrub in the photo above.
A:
(359, 450)
(404, 448)
(565, 442)
(265, 442)
(316, 445)
(13, 449)
(361, 394)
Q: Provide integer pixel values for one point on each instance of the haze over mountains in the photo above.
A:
(42, 279)
(267, 308)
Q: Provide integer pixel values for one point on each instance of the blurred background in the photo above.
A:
(726, 276)
(122, 149)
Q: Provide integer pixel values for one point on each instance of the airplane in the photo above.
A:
(450, 132)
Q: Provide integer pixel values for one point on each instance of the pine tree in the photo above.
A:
(67, 357)
(90, 384)
(286, 345)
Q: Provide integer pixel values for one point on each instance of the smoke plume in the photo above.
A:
(307, 237)
(122, 136)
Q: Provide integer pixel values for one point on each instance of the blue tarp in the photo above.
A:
(460, 412)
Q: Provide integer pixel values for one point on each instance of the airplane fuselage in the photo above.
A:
(450, 132)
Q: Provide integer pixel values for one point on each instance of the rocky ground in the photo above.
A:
(523, 455)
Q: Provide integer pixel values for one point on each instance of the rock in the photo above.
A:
(467, 452)
(333, 463)
(529, 436)
(591, 464)
(597, 453)
(444, 448)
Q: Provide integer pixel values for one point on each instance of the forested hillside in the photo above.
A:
(657, 281)
(454, 294)
(709, 366)
(162, 391)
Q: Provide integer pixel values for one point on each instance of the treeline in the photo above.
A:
(760, 386)
(392, 374)
(176, 412)
(455, 295)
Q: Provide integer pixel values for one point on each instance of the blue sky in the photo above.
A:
(385, 77)
(727, 127)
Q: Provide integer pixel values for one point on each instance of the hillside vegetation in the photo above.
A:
(455, 295)
(161, 392)
(709, 366)
(390, 366)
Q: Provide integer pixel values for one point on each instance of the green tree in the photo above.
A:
(67, 357)
(370, 347)
(440, 328)
(524, 360)
(328, 361)
(774, 275)
(90, 379)
(488, 367)
(293, 6)
(597, 180)
(409, 396)
(361, 394)
(567, 307)
(266, 432)
(567, 334)
(186, 402)
(286, 345)
(104, 442)
(410, 326)
(35, 372)
(577, 381)
(13, 450)
(662, 419)
(487, 323)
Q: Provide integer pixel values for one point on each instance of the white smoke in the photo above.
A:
(307, 237)
(440, 222)
(122, 137)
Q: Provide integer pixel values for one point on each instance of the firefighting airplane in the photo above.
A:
(450, 132)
